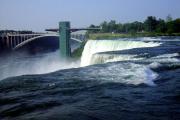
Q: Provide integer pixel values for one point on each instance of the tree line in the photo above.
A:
(151, 24)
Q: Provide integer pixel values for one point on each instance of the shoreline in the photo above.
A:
(97, 36)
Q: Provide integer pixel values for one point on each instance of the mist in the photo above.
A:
(20, 63)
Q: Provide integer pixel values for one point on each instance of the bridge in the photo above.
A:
(15, 41)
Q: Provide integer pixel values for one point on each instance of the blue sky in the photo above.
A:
(38, 15)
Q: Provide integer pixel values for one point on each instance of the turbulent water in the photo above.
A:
(96, 46)
(115, 80)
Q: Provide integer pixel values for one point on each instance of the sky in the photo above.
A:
(37, 15)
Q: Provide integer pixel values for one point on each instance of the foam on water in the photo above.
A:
(154, 65)
(160, 39)
(165, 58)
(104, 58)
(150, 39)
(127, 73)
(168, 55)
(95, 46)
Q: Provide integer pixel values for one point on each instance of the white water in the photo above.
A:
(100, 58)
(96, 46)
(16, 65)
(165, 58)
(127, 73)
(105, 58)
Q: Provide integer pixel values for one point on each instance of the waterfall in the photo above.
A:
(93, 47)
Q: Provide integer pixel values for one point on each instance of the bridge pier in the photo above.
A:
(7, 41)
(14, 41)
(11, 42)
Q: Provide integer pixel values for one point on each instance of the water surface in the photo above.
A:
(122, 79)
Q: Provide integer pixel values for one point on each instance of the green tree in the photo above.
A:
(177, 25)
(126, 27)
(136, 26)
(105, 27)
(174, 26)
(150, 24)
(161, 26)
(169, 18)
(112, 26)
(119, 28)
(93, 31)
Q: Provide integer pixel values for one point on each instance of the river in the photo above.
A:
(122, 79)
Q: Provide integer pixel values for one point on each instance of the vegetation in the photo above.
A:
(96, 36)
(150, 27)
(78, 52)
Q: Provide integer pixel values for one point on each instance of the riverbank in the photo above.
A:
(97, 36)
(76, 54)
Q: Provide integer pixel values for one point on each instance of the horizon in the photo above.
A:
(42, 14)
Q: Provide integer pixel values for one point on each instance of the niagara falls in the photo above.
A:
(89, 60)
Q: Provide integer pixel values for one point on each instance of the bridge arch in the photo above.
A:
(36, 38)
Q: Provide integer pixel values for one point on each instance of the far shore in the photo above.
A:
(96, 36)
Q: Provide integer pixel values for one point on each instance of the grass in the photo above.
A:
(96, 36)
